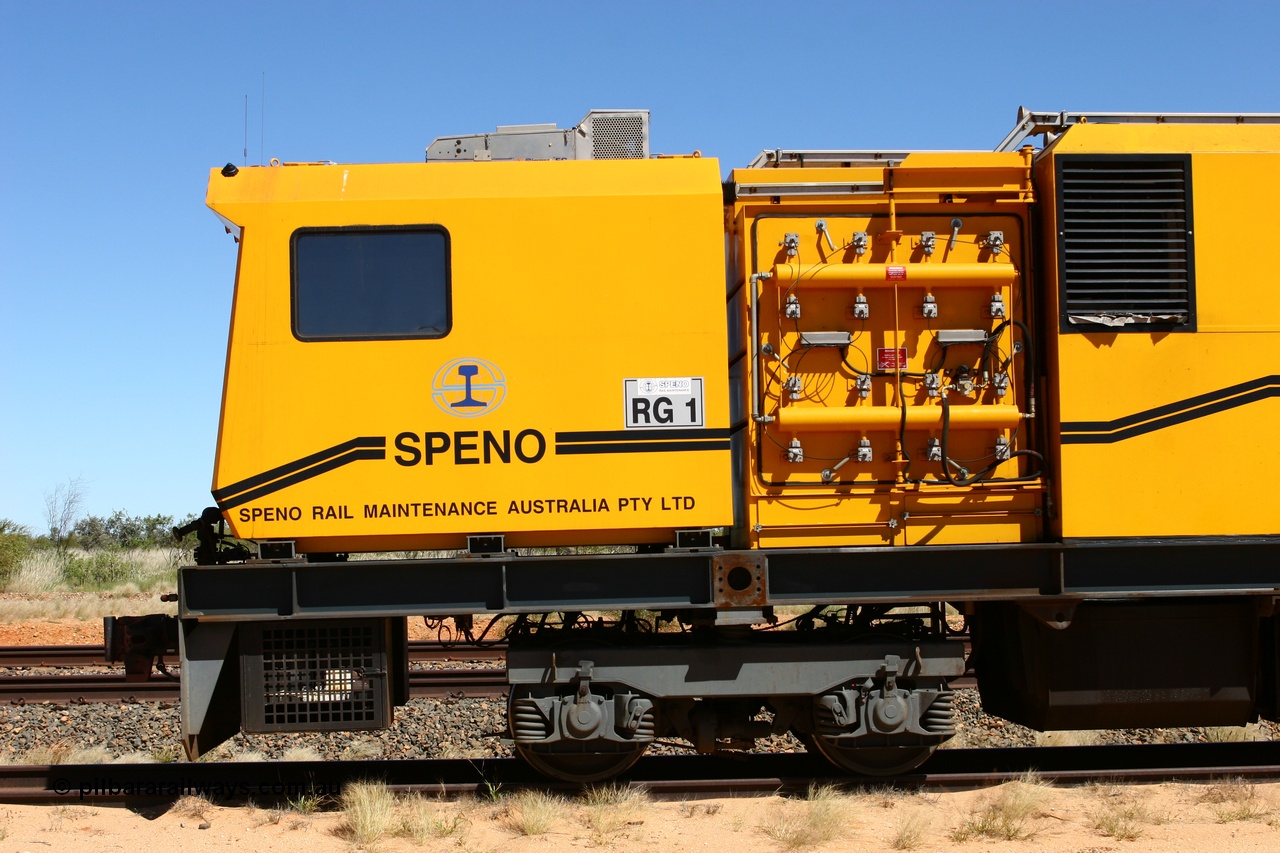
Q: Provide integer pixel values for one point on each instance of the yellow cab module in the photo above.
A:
(421, 352)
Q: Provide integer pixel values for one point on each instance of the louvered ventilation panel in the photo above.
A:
(1125, 255)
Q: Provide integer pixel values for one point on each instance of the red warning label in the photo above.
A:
(891, 359)
(895, 273)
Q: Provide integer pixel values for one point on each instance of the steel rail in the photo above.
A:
(66, 655)
(81, 689)
(663, 776)
(93, 655)
(434, 650)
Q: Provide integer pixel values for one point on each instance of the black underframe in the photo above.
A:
(506, 583)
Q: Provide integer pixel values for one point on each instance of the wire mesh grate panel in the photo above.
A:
(618, 137)
(320, 676)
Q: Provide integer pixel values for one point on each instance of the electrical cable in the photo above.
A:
(947, 461)
(844, 360)
(902, 432)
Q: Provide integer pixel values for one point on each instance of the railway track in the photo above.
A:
(80, 689)
(92, 655)
(663, 776)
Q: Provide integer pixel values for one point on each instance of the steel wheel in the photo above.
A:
(871, 760)
(580, 767)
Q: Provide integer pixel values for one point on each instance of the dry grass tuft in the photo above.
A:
(614, 796)
(368, 810)
(58, 814)
(90, 755)
(39, 571)
(274, 816)
(908, 831)
(193, 806)
(688, 809)
(221, 752)
(114, 573)
(300, 753)
(884, 796)
(532, 812)
(362, 750)
(64, 753)
(423, 821)
(608, 809)
(1008, 816)
(1235, 800)
(822, 816)
(1227, 791)
(1119, 815)
(1233, 734)
(306, 804)
(1068, 738)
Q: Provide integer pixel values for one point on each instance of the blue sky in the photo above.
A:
(116, 281)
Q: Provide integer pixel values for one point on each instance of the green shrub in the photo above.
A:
(99, 570)
(122, 530)
(13, 549)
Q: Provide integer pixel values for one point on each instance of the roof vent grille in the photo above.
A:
(618, 135)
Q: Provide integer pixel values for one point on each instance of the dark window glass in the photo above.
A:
(371, 283)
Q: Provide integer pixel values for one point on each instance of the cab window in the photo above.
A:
(370, 283)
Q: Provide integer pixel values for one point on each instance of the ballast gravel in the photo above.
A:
(425, 728)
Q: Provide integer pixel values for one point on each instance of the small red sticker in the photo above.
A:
(891, 359)
(895, 273)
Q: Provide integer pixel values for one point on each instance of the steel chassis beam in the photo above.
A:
(727, 580)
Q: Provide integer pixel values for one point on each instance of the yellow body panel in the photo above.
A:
(567, 278)
(1174, 433)
(926, 516)
(895, 494)
(571, 279)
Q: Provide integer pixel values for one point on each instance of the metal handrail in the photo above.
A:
(1029, 124)
(1033, 123)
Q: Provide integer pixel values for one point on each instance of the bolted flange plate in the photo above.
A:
(741, 580)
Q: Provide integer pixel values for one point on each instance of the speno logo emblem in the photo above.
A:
(469, 387)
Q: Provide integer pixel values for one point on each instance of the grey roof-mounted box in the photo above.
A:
(601, 135)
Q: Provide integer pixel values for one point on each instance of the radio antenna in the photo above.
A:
(262, 120)
(246, 129)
